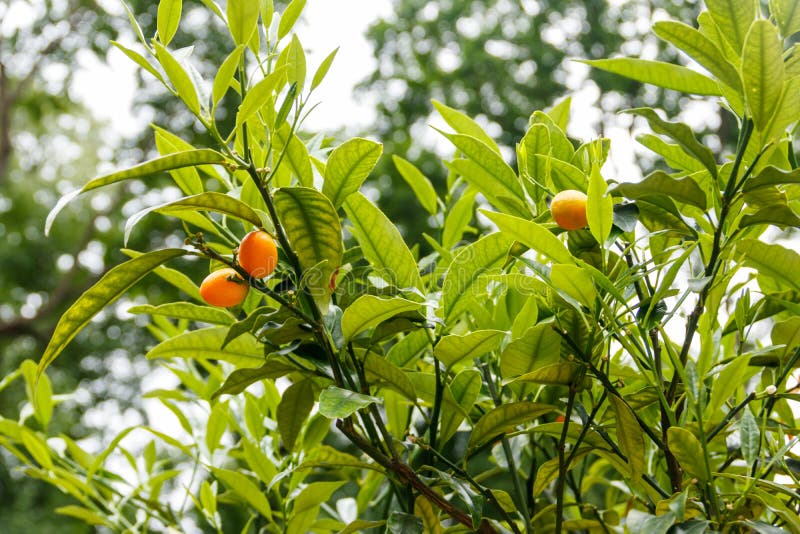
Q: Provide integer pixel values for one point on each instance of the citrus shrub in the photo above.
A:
(224, 287)
(258, 254)
(634, 374)
(569, 209)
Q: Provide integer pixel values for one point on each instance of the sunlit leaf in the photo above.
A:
(599, 207)
(463, 124)
(762, 69)
(204, 344)
(630, 436)
(452, 349)
(188, 311)
(247, 490)
(688, 451)
(733, 18)
(179, 77)
(225, 75)
(532, 235)
(242, 19)
(774, 260)
(369, 310)
(168, 18)
(418, 182)
(337, 403)
(666, 75)
(348, 166)
(323, 68)
(383, 371)
(506, 418)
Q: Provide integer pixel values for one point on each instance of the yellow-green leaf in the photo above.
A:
(168, 18)
(348, 166)
(452, 349)
(369, 310)
(242, 19)
(506, 418)
(658, 73)
(763, 71)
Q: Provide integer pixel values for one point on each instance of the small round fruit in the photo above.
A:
(258, 254)
(224, 288)
(569, 209)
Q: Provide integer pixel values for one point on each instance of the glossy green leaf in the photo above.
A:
(750, 436)
(701, 49)
(776, 261)
(348, 166)
(405, 351)
(259, 94)
(204, 344)
(779, 215)
(688, 451)
(557, 374)
(188, 311)
(168, 18)
(494, 191)
(539, 346)
(338, 403)
(457, 218)
(244, 488)
(296, 155)
(382, 370)
(506, 418)
(452, 349)
(381, 242)
(289, 17)
(179, 77)
(314, 231)
(323, 69)
(242, 19)
(463, 124)
(683, 189)
(465, 389)
(673, 154)
(140, 60)
(658, 73)
(463, 279)
(682, 134)
(762, 69)
(293, 410)
(240, 379)
(418, 183)
(186, 178)
(108, 289)
(225, 75)
(563, 175)
(630, 437)
(733, 17)
(368, 311)
(599, 207)
(787, 15)
(575, 282)
(532, 235)
(771, 176)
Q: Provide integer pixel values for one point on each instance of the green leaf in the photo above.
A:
(294, 59)
(506, 418)
(775, 261)
(204, 344)
(701, 49)
(599, 207)
(682, 134)
(293, 410)
(402, 523)
(108, 289)
(140, 60)
(84, 514)
(179, 77)
(245, 489)
(750, 436)
(259, 94)
(787, 15)
(463, 279)
(289, 17)
(381, 369)
(465, 389)
(575, 282)
(556, 374)
(532, 235)
(361, 525)
(240, 379)
(563, 175)
(216, 425)
(658, 212)
(729, 380)
(296, 155)
(630, 437)
(490, 174)
(188, 311)
(771, 176)
(539, 346)
(762, 68)
(176, 278)
(225, 75)
(453, 348)
(418, 183)
(242, 19)
(779, 215)
(673, 154)
(734, 18)
(658, 73)
(368, 311)
(463, 124)
(381, 242)
(683, 190)
(560, 112)
(168, 18)
(687, 450)
(348, 166)
(457, 218)
(37, 448)
(323, 68)
(338, 403)
(315, 233)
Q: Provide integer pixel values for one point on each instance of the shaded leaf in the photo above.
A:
(240, 379)
(687, 450)
(771, 260)
(505, 418)
(382, 370)
(338, 403)
(630, 437)
(293, 410)
(244, 351)
(683, 189)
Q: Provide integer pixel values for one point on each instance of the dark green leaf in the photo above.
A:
(294, 408)
(402, 523)
(240, 379)
(779, 215)
(683, 190)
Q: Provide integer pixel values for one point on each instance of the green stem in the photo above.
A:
(562, 464)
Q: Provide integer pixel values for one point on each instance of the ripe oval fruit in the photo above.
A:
(224, 288)
(258, 254)
(568, 209)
